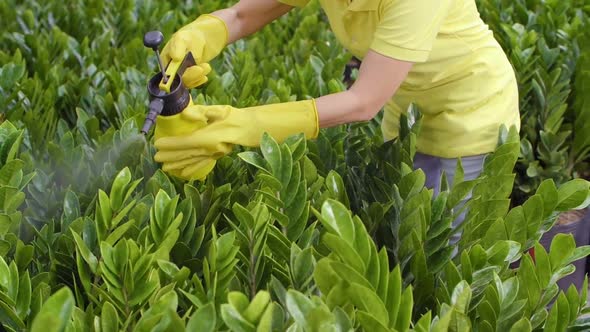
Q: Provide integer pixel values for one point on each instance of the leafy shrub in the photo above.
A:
(335, 234)
(546, 42)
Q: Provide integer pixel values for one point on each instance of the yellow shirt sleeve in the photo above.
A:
(408, 28)
(295, 3)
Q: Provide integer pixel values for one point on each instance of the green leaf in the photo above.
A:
(88, 256)
(510, 288)
(539, 317)
(302, 264)
(254, 159)
(164, 208)
(370, 323)
(5, 224)
(562, 247)
(109, 318)
(337, 219)
(23, 255)
(350, 275)
(298, 306)
(244, 216)
(442, 325)
(23, 301)
(238, 300)
(412, 183)
(272, 154)
(118, 189)
(14, 281)
(548, 192)
(345, 252)
(104, 209)
(342, 321)
(257, 307)
(461, 297)
(523, 325)
(234, 320)
(336, 187)
(459, 192)
(122, 214)
(119, 232)
(4, 274)
(10, 318)
(579, 253)
(563, 312)
(365, 299)
(529, 281)
(203, 319)
(404, 316)
(56, 312)
(9, 169)
(71, 206)
(573, 195)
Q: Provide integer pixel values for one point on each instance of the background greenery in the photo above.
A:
(335, 234)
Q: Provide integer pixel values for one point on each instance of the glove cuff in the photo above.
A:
(215, 31)
(283, 120)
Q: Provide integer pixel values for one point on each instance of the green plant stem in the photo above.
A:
(252, 267)
(126, 297)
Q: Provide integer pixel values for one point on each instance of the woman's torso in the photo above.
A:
(465, 72)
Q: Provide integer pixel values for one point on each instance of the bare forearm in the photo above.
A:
(248, 16)
(379, 79)
(340, 108)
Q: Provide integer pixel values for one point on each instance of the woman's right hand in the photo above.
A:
(205, 38)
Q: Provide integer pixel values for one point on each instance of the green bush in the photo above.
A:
(334, 234)
(547, 44)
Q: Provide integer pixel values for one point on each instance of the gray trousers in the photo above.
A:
(434, 166)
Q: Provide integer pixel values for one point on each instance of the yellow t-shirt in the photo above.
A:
(461, 81)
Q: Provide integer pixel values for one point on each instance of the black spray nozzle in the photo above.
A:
(162, 102)
(156, 107)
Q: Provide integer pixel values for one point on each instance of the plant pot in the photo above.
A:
(577, 223)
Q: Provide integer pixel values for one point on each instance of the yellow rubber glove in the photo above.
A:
(227, 125)
(205, 38)
(184, 123)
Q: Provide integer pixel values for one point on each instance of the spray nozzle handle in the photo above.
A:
(153, 39)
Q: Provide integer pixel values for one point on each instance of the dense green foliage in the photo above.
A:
(547, 42)
(335, 234)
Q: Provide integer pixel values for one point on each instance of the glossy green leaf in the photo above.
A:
(574, 194)
(109, 318)
(370, 323)
(118, 188)
(461, 297)
(404, 315)
(272, 153)
(562, 246)
(23, 300)
(346, 253)
(336, 187)
(254, 159)
(56, 312)
(88, 256)
(337, 219)
(523, 325)
(204, 319)
(4, 274)
(548, 192)
(234, 320)
(238, 300)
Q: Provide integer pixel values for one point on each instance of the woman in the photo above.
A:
(437, 54)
